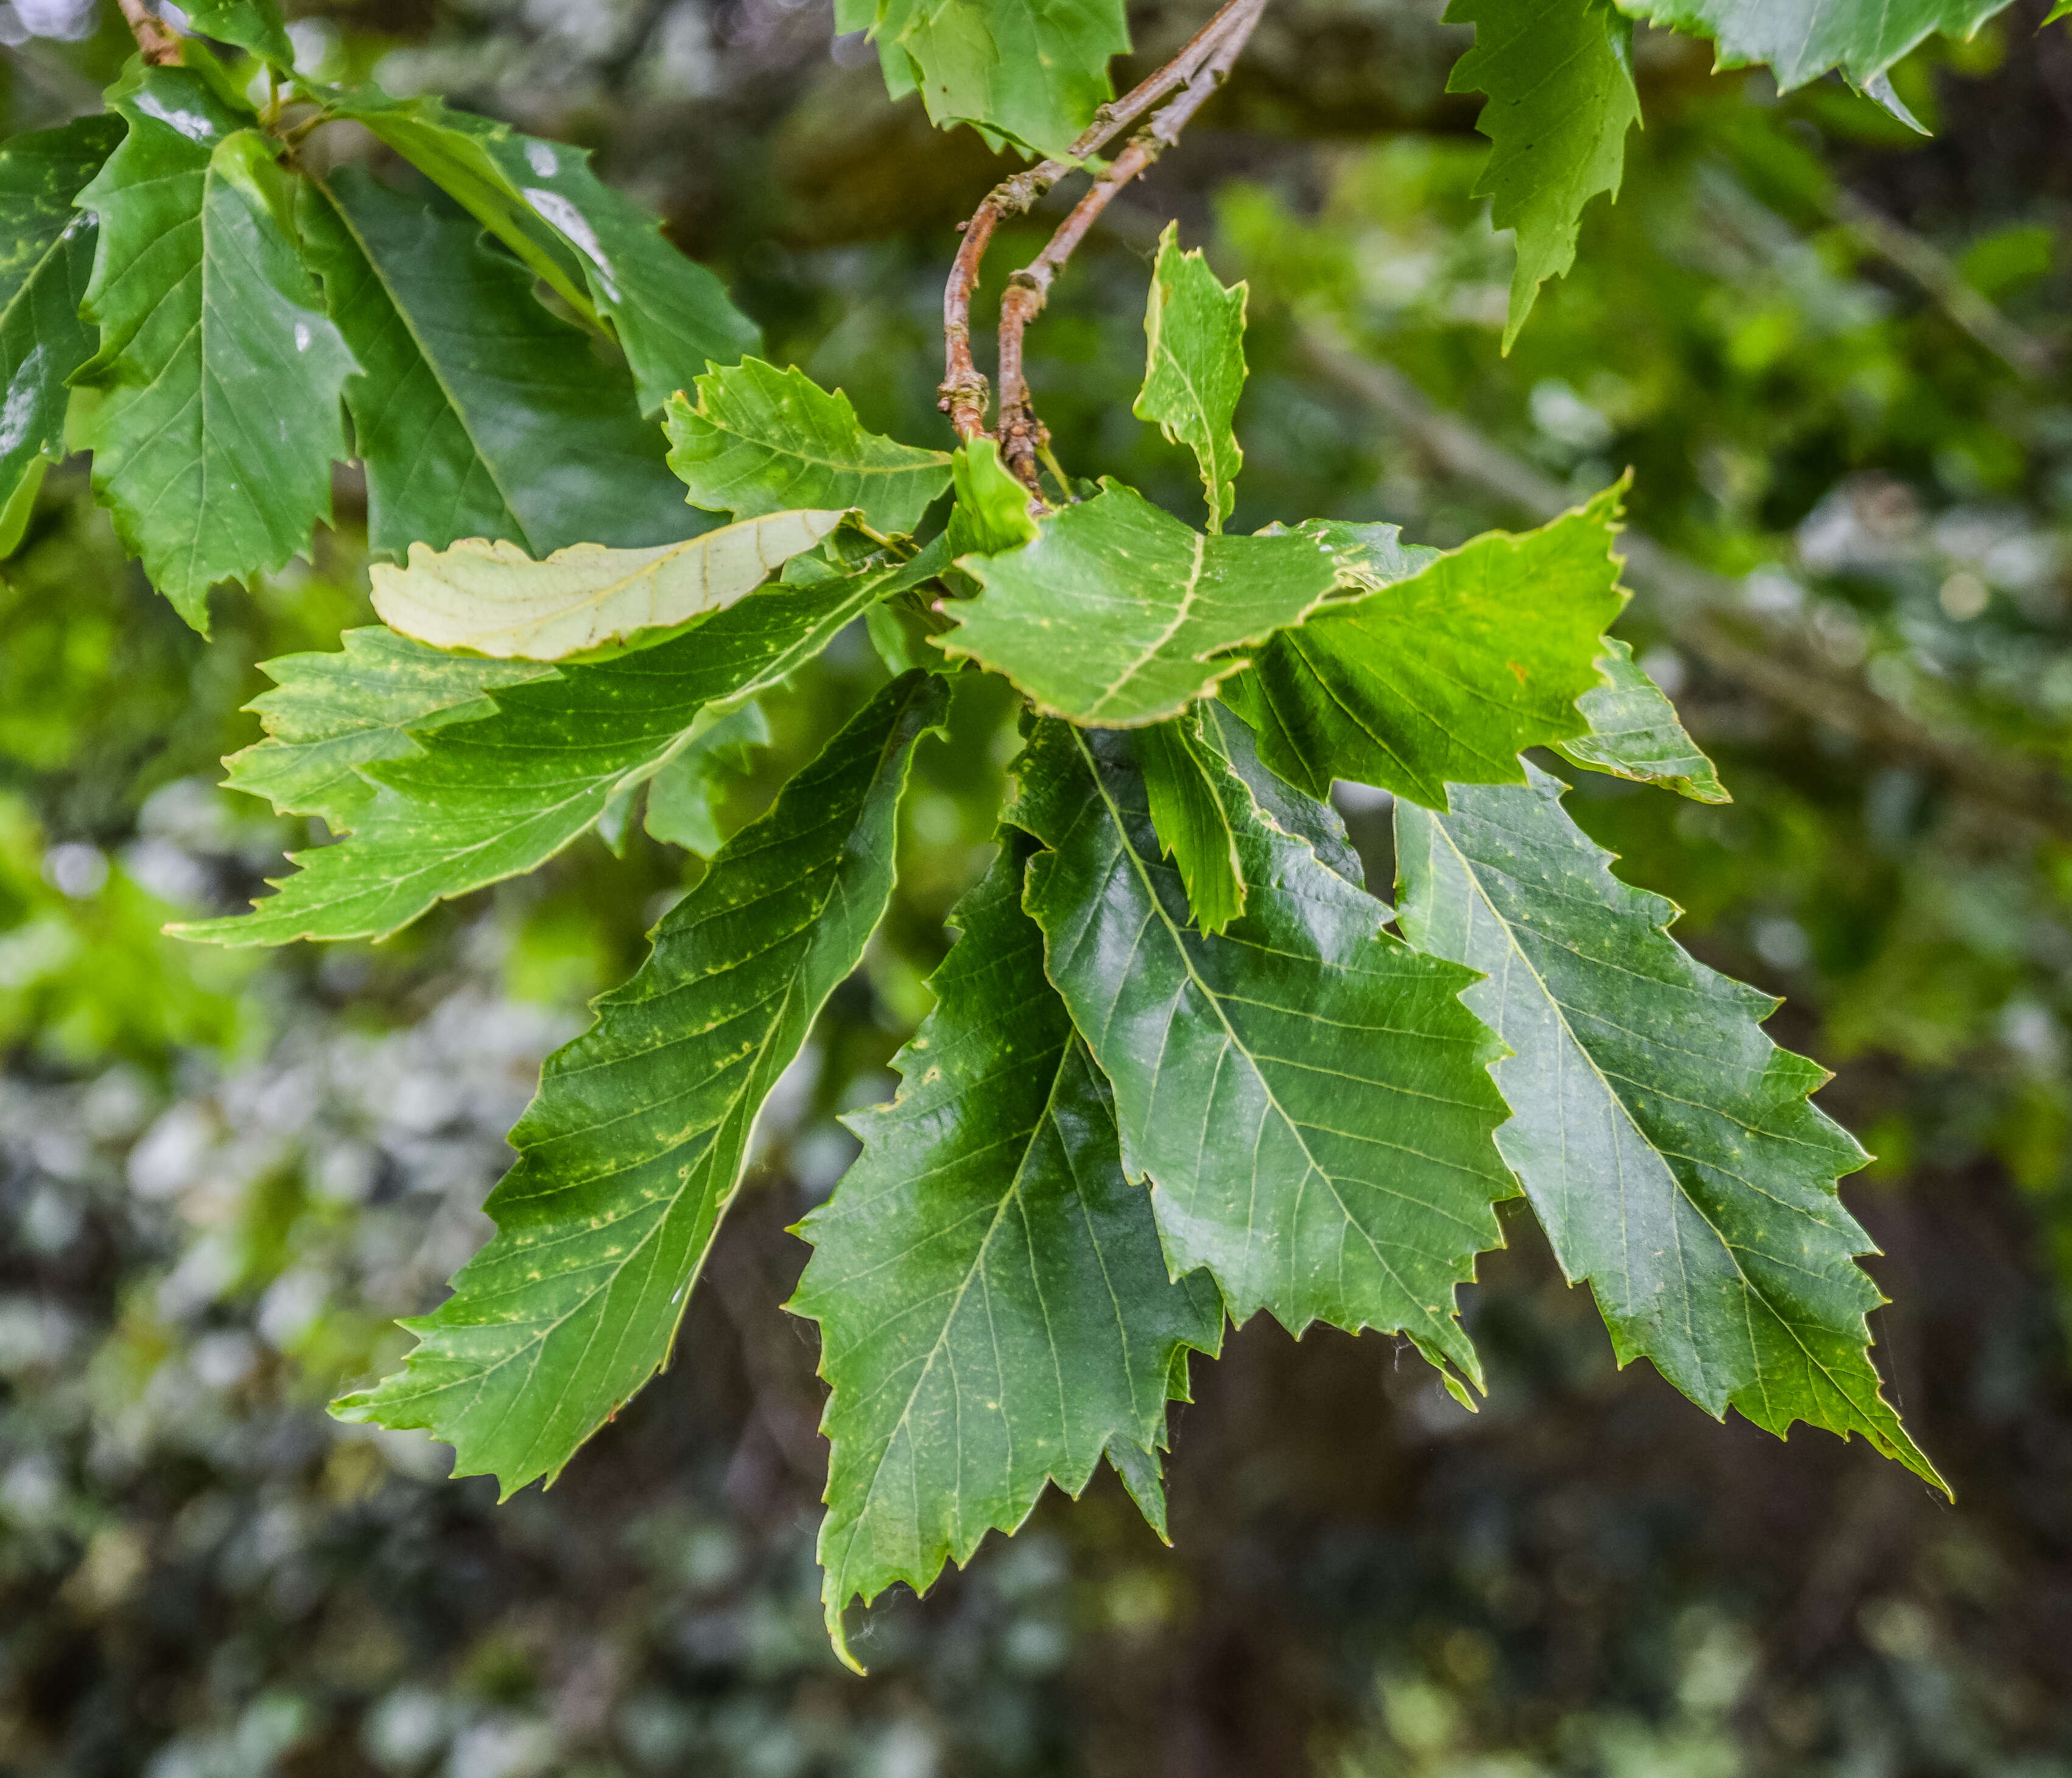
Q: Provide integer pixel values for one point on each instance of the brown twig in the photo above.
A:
(156, 42)
(1022, 434)
(964, 388)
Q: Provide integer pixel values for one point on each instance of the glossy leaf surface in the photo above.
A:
(477, 412)
(1308, 1096)
(994, 1308)
(1802, 39)
(1666, 1144)
(47, 251)
(1181, 769)
(214, 439)
(633, 1149)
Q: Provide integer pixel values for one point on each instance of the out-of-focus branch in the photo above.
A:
(156, 41)
(1701, 609)
(1924, 263)
(964, 389)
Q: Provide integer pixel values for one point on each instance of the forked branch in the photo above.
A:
(1214, 46)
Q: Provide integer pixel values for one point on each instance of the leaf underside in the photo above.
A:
(493, 599)
(1802, 39)
(633, 1149)
(1635, 733)
(994, 1308)
(1667, 1145)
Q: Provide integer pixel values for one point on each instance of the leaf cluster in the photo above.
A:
(1183, 1066)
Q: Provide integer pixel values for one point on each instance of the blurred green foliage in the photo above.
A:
(222, 1176)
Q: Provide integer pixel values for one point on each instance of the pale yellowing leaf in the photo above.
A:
(492, 599)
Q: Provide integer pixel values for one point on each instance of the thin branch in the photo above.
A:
(964, 389)
(156, 41)
(1703, 609)
(1921, 260)
(1021, 435)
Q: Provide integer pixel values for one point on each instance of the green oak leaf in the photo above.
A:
(991, 514)
(671, 315)
(1368, 557)
(213, 443)
(493, 599)
(1667, 1145)
(683, 797)
(1111, 615)
(595, 247)
(634, 1148)
(329, 714)
(479, 801)
(1295, 812)
(1181, 770)
(1193, 370)
(1030, 71)
(47, 253)
(1802, 39)
(477, 412)
(250, 24)
(761, 440)
(1559, 74)
(994, 1309)
(1445, 676)
(1635, 733)
(1308, 1096)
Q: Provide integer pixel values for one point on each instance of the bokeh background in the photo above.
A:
(1836, 355)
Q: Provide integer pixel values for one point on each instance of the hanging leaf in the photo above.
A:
(1308, 1096)
(761, 440)
(1032, 72)
(493, 599)
(1181, 769)
(1447, 676)
(1634, 732)
(1111, 615)
(1194, 371)
(250, 24)
(1559, 74)
(213, 444)
(46, 250)
(671, 316)
(476, 412)
(479, 800)
(633, 1149)
(1667, 1145)
(994, 1309)
(1802, 40)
